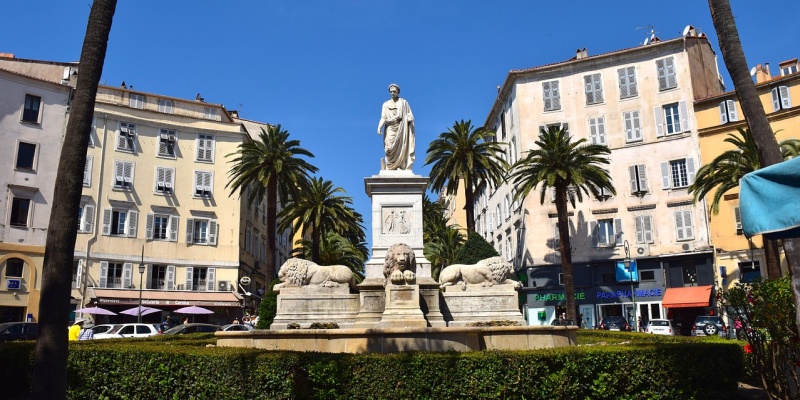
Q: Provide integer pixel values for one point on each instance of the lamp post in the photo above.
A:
(142, 267)
(627, 262)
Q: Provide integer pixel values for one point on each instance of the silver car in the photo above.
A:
(660, 327)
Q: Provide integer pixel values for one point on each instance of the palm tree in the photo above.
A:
(724, 173)
(320, 210)
(442, 241)
(570, 168)
(468, 153)
(270, 166)
(50, 355)
(336, 249)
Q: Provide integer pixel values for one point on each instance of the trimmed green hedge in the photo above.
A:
(169, 368)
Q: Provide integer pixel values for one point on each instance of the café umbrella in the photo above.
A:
(95, 311)
(193, 310)
(135, 311)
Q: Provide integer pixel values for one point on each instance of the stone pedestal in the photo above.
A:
(306, 305)
(372, 302)
(481, 304)
(430, 302)
(402, 308)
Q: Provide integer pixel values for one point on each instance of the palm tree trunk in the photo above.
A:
(50, 355)
(768, 150)
(566, 250)
(469, 207)
(316, 239)
(772, 255)
(272, 223)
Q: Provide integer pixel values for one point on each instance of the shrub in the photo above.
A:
(475, 249)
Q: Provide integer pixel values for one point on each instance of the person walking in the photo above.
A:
(75, 329)
(87, 333)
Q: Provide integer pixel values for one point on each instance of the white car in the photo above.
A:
(236, 328)
(660, 327)
(130, 330)
(102, 328)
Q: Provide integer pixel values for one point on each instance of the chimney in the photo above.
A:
(581, 54)
(762, 73)
(6, 55)
(234, 113)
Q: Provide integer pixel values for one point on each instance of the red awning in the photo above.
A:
(693, 296)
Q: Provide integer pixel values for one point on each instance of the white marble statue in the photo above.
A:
(487, 272)
(297, 272)
(398, 139)
(400, 265)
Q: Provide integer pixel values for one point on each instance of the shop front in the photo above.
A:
(684, 304)
(621, 302)
(546, 305)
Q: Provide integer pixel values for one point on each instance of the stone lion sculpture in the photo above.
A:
(297, 272)
(487, 272)
(400, 265)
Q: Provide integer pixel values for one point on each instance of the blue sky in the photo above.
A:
(321, 68)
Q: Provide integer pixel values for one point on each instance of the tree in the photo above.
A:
(476, 248)
(336, 249)
(268, 307)
(442, 241)
(733, 55)
(50, 355)
(270, 166)
(724, 173)
(570, 168)
(320, 210)
(467, 153)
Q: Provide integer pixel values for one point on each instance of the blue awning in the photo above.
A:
(769, 201)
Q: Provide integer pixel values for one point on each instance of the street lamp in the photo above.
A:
(142, 267)
(628, 266)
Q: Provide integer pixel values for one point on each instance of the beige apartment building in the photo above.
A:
(638, 102)
(737, 257)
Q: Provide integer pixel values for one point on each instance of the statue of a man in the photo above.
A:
(398, 140)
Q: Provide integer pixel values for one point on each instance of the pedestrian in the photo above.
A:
(87, 333)
(186, 321)
(737, 327)
(75, 329)
(235, 321)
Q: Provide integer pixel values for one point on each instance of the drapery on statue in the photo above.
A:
(398, 140)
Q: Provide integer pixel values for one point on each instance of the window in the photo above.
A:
(123, 175)
(644, 229)
(26, 154)
(627, 82)
(14, 267)
(552, 99)
(162, 277)
(263, 255)
(648, 276)
(201, 231)
(86, 218)
(557, 125)
(30, 113)
(556, 236)
(162, 227)
(247, 237)
(737, 218)
(499, 214)
(119, 222)
(165, 106)
(200, 278)
(127, 136)
(166, 143)
(750, 271)
(203, 183)
(638, 176)
(508, 247)
(512, 151)
(666, 73)
(780, 98)
(597, 130)
(256, 243)
(727, 112)
(684, 228)
(115, 275)
(165, 180)
(20, 211)
(677, 173)
(137, 101)
(210, 113)
(205, 147)
(594, 89)
(633, 126)
(689, 272)
(87, 171)
(788, 69)
(507, 207)
(606, 232)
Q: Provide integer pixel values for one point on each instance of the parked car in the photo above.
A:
(18, 331)
(102, 328)
(130, 330)
(236, 328)
(563, 322)
(709, 325)
(614, 324)
(192, 328)
(660, 327)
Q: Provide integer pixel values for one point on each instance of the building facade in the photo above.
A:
(638, 102)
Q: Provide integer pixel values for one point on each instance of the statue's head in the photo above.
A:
(394, 89)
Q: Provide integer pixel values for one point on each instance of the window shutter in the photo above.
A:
(639, 224)
(160, 178)
(119, 169)
(601, 129)
(148, 230)
(723, 113)
(665, 175)
(634, 179)
(737, 217)
(212, 232)
(127, 275)
(647, 222)
(594, 230)
(786, 101)
(211, 278)
(199, 144)
(598, 88)
(208, 182)
(688, 226)
(78, 275)
(174, 221)
(679, 225)
(555, 96)
(658, 113)
(548, 103)
(189, 274)
(618, 231)
(642, 170)
(556, 237)
(87, 171)
(170, 278)
(209, 149)
(169, 176)
(198, 182)
(107, 221)
(684, 110)
(690, 170)
(133, 217)
(88, 219)
(632, 90)
(148, 277)
(776, 100)
(103, 281)
(162, 143)
(662, 75)
(628, 118)
(623, 83)
(732, 114)
(669, 65)
(189, 230)
(637, 125)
